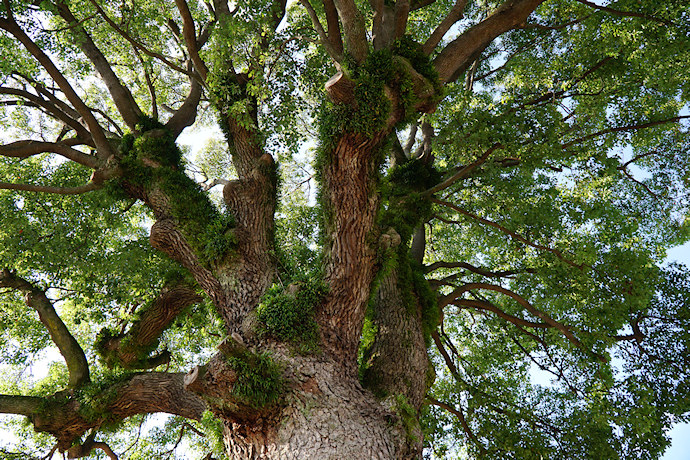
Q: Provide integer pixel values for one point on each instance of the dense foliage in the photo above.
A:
(544, 182)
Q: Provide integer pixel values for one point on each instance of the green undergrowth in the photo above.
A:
(287, 314)
(151, 160)
(259, 381)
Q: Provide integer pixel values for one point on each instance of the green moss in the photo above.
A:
(213, 428)
(96, 396)
(259, 379)
(289, 316)
(151, 160)
(408, 417)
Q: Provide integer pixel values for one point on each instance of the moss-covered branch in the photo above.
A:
(131, 350)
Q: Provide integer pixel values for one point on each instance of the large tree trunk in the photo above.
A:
(326, 415)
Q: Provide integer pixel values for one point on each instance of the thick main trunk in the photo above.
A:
(351, 203)
(326, 415)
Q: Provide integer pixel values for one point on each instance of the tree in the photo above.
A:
(498, 183)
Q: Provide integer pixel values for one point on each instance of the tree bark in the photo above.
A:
(325, 415)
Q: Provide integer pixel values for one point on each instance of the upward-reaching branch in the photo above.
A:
(96, 131)
(353, 28)
(122, 97)
(189, 33)
(436, 36)
(74, 356)
(459, 54)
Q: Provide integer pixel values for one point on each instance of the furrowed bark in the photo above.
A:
(251, 199)
(396, 363)
(324, 413)
(70, 349)
(458, 55)
(352, 204)
(144, 332)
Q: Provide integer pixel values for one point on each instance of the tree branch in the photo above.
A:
(129, 350)
(95, 129)
(461, 418)
(454, 15)
(633, 14)
(189, 33)
(88, 187)
(510, 233)
(624, 128)
(20, 405)
(459, 54)
(139, 394)
(333, 26)
(353, 28)
(326, 41)
(135, 43)
(28, 148)
(464, 171)
(51, 108)
(487, 306)
(520, 300)
(478, 270)
(69, 348)
(186, 114)
(121, 96)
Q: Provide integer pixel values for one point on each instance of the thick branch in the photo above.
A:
(186, 114)
(88, 187)
(141, 394)
(153, 320)
(478, 270)
(69, 348)
(326, 40)
(189, 33)
(459, 54)
(481, 305)
(353, 28)
(95, 129)
(28, 148)
(122, 97)
(453, 16)
(20, 405)
(333, 26)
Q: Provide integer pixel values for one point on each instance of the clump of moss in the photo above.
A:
(152, 160)
(96, 396)
(259, 379)
(406, 47)
(407, 206)
(288, 314)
